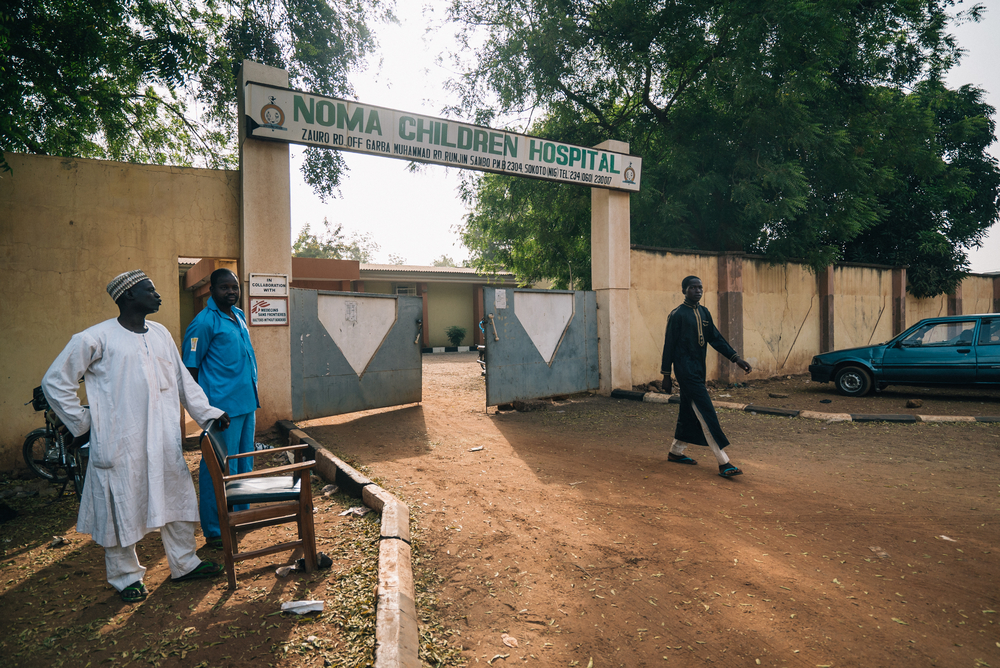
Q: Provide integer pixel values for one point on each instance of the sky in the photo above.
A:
(415, 215)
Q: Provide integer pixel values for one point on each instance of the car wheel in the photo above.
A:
(853, 381)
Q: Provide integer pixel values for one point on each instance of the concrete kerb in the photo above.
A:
(397, 636)
(656, 398)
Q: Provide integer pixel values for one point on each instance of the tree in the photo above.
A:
(786, 128)
(333, 244)
(154, 82)
(443, 261)
(396, 258)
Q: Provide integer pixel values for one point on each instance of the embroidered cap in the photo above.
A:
(122, 282)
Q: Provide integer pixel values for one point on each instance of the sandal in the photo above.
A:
(134, 593)
(205, 569)
(680, 459)
(214, 543)
(729, 471)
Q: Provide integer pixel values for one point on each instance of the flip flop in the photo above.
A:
(729, 471)
(214, 543)
(134, 593)
(205, 569)
(680, 459)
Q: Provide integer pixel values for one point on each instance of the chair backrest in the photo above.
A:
(218, 447)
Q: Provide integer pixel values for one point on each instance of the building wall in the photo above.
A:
(862, 308)
(780, 318)
(781, 309)
(378, 287)
(918, 309)
(977, 294)
(449, 304)
(654, 292)
(68, 227)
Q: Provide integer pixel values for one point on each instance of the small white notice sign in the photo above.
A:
(500, 301)
(351, 311)
(268, 285)
(268, 311)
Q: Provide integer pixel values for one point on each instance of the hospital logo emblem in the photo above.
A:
(272, 116)
(629, 174)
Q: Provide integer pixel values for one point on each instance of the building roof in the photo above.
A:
(422, 274)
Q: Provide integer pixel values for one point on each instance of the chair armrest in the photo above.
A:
(263, 473)
(257, 453)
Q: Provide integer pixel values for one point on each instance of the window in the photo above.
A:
(989, 333)
(404, 288)
(955, 333)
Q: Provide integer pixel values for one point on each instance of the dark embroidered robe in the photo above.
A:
(689, 329)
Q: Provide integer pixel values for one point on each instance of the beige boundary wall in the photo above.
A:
(70, 225)
(783, 314)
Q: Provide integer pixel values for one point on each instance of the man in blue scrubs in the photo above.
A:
(218, 354)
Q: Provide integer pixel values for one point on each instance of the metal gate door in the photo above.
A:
(540, 343)
(353, 351)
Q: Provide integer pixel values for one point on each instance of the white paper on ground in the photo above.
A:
(302, 607)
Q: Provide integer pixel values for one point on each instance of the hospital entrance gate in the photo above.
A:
(353, 351)
(539, 343)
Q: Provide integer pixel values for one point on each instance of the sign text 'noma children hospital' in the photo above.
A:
(281, 114)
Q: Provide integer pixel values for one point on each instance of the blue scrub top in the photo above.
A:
(227, 368)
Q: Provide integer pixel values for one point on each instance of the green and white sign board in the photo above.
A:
(296, 117)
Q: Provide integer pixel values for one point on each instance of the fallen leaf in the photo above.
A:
(497, 656)
(899, 621)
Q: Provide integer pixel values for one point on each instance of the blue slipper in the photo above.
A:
(680, 459)
(729, 471)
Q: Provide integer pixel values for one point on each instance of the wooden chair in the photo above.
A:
(274, 499)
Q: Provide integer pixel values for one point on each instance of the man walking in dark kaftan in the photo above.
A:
(689, 328)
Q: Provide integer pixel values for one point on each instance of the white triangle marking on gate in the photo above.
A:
(545, 317)
(358, 325)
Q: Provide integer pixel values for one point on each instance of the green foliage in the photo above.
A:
(155, 82)
(443, 261)
(396, 258)
(796, 130)
(455, 334)
(332, 244)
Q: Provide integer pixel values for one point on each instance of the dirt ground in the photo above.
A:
(844, 544)
(56, 609)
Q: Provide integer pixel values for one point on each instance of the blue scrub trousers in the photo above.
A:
(238, 439)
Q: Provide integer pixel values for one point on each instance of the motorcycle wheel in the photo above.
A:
(41, 454)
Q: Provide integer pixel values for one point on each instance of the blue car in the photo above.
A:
(952, 350)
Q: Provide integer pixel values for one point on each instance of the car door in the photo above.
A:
(988, 351)
(937, 352)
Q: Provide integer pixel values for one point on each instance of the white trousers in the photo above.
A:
(178, 543)
(678, 447)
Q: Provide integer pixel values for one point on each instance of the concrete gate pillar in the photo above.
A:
(610, 248)
(266, 246)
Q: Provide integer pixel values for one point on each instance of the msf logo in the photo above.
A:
(273, 116)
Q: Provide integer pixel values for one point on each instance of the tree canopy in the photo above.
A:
(800, 130)
(155, 82)
(332, 243)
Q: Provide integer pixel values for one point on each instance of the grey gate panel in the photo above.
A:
(547, 343)
(353, 351)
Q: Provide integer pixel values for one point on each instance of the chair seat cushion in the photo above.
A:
(262, 490)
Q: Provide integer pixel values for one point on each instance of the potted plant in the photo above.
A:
(455, 334)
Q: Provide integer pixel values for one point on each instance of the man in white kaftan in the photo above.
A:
(137, 480)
